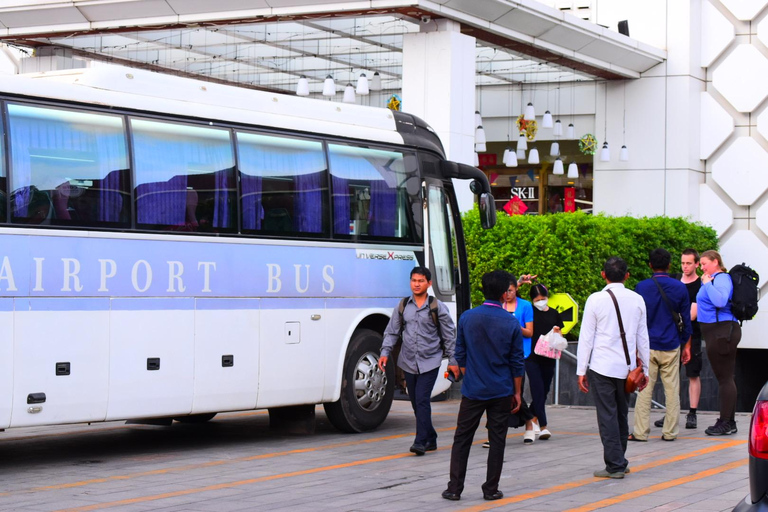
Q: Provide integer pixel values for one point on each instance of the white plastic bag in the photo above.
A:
(556, 340)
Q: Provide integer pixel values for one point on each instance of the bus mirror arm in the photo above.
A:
(479, 186)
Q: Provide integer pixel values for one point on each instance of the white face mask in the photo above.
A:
(541, 305)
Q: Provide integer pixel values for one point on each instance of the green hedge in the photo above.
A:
(567, 250)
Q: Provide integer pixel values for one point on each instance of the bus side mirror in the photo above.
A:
(487, 208)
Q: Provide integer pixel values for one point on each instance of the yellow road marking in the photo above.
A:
(659, 487)
(580, 483)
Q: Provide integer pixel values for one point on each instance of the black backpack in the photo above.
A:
(745, 292)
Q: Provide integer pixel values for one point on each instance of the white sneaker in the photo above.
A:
(529, 437)
(536, 428)
(545, 434)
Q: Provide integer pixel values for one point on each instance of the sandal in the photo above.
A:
(633, 438)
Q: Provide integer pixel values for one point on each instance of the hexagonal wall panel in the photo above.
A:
(745, 247)
(741, 78)
(761, 218)
(744, 10)
(713, 211)
(716, 33)
(716, 125)
(742, 171)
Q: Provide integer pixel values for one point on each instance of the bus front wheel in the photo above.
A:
(366, 391)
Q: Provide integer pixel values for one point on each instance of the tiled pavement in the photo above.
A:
(235, 463)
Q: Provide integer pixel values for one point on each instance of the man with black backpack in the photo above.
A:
(668, 310)
(424, 326)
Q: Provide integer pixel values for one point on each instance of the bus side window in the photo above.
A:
(283, 185)
(69, 168)
(369, 190)
(184, 177)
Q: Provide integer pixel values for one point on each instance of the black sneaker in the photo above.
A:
(659, 423)
(690, 420)
(721, 428)
(732, 425)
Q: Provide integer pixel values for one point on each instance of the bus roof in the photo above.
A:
(141, 90)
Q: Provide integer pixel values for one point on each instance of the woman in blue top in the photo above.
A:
(722, 334)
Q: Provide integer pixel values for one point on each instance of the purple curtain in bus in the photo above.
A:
(250, 187)
(222, 213)
(110, 198)
(163, 202)
(341, 205)
(381, 217)
(308, 203)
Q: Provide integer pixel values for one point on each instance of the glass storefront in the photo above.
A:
(534, 189)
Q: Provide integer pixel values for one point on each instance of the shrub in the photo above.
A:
(567, 250)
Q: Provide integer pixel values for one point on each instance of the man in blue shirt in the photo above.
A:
(489, 351)
(663, 295)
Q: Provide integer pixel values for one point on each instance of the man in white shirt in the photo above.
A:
(602, 363)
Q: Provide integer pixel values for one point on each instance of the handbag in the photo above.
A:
(635, 377)
(676, 317)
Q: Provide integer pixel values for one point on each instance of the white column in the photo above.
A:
(439, 87)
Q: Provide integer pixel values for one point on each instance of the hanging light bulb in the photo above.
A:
(554, 149)
(511, 160)
(530, 113)
(329, 86)
(546, 122)
(478, 118)
(571, 132)
(479, 135)
(522, 142)
(376, 82)
(558, 167)
(481, 147)
(533, 156)
(605, 153)
(302, 88)
(349, 94)
(362, 85)
(624, 154)
(573, 170)
(558, 130)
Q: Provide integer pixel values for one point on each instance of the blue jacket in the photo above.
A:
(662, 331)
(714, 300)
(489, 345)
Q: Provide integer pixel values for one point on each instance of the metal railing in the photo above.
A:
(572, 357)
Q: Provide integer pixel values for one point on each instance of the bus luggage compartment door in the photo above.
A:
(61, 360)
(152, 345)
(6, 361)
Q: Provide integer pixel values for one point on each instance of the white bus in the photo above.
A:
(171, 249)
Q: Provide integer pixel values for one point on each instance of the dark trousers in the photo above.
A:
(612, 406)
(420, 391)
(722, 340)
(470, 412)
(540, 380)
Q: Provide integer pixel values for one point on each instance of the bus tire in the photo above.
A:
(366, 392)
(196, 418)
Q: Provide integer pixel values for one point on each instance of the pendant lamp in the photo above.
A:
(571, 132)
(302, 89)
(329, 86)
(558, 167)
(481, 147)
(605, 153)
(558, 129)
(376, 82)
(530, 113)
(511, 159)
(573, 170)
(624, 154)
(477, 160)
(520, 154)
(349, 94)
(478, 118)
(522, 142)
(533, 156)
(480, 135)
(362, 85)
(546, 122)
(554, 149)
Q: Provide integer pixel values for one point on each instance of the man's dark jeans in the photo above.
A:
(497, 411)
(420, 391)
(611, 404)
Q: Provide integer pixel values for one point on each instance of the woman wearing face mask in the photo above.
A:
(539, 369)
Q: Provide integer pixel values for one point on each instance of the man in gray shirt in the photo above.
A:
(422, 351)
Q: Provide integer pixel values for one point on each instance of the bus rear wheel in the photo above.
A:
(366, 391)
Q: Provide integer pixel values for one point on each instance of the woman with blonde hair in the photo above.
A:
(722, 334)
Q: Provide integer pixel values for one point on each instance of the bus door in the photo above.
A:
(6, 361)
(292, 350)
(441, 255)
(61, 360)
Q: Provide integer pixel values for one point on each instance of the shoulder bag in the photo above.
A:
(635, 377)
(676, 317)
